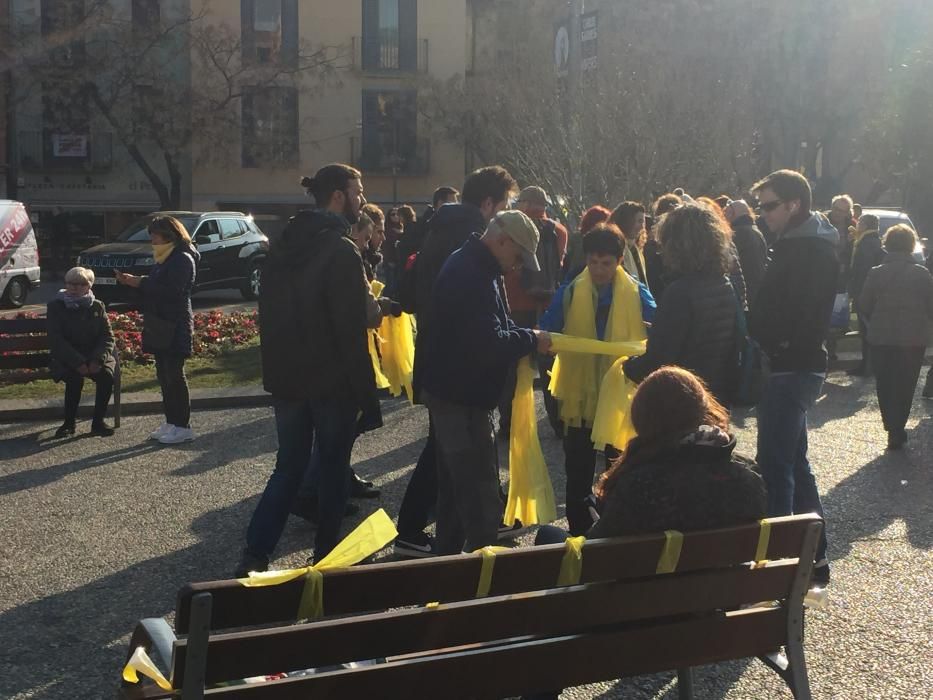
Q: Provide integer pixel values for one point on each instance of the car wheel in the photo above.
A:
(250, 288)
(15, 294)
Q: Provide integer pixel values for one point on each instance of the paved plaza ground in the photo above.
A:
(96, 533)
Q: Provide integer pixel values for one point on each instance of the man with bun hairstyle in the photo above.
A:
(315, 361)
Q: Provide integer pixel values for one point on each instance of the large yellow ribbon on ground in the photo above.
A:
(580, 368)
(531, 495)
(369, 537)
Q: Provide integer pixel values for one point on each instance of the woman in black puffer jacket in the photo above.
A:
(169, 321)
(695, 326)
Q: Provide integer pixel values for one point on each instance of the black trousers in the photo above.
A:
(176, 402)
(897, 370)
(418, 503)
(580, 466)
(73, 387)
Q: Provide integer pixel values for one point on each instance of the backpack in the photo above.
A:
(545, 282)
(752, 365)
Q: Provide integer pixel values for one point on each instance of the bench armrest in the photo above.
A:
(155, 636)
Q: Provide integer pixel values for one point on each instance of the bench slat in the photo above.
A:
(36, 360)
(13, 326)
(18, 343)
(445, 579)
(544, 613)
(528, 666)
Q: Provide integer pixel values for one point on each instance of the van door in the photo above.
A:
(19, 253)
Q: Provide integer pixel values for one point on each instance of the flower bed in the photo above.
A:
(214, 332)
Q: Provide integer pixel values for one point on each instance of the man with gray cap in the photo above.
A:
(469, 344)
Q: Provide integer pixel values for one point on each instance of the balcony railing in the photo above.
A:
(37, 150)
(382, 55)
(417, 160)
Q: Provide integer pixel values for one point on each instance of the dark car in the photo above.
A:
(231, 245)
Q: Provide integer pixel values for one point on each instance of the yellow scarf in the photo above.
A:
(372, 337)
(161, 251)
(577, 378)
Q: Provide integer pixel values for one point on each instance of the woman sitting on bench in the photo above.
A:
(81, 344)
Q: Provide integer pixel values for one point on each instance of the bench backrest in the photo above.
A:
(518, 636)
(28, 339)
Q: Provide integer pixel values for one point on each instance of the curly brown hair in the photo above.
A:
(694, 240)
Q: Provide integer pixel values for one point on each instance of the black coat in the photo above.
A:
(166, 293)
(77, 336)
(695, 327)
(312, 315)
(868, 253)
(753, 254)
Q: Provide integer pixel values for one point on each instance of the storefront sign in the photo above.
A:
(69, 146)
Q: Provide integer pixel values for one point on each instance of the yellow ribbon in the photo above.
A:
(670, 555)
(369, 537)
(140, 663)
(531, 494)
(485, 572)
(398, 353)
(372, 337)
(571, 566)
(764, 538)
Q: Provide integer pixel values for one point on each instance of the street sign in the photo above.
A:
(589, 24)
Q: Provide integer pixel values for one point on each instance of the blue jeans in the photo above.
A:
(782, 446)
(331, 423)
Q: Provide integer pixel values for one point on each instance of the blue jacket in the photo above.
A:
(469, 342)
(553, 318)
(166, 292)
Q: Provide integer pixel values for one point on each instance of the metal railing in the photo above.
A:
(382, 54)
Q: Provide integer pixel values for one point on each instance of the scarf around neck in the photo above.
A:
(74, 301)
(161, 251)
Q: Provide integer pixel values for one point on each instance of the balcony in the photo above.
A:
(42, 150)
(417, 161)
(383, 56)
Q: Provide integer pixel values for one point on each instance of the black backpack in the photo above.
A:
(545, 282)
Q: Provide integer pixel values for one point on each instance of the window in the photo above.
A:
(230, 228)
(146, 15)
(60, 18)
(390, 35)
(390, 130)
(65, 124)
(270, 126)
(208, 232)
(269, 30)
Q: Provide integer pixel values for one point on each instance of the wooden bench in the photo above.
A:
(526, 635)
(24, 344)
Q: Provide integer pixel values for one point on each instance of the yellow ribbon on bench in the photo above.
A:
(140, 663)
(369, 537)
(531, 494)
(571, 566)
(764, 539)
(485, 572)
(670, 554)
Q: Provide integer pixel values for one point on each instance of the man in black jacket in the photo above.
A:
(467, 347)
(315, 361)
(485, 192)
(790, 320)
(868, 253)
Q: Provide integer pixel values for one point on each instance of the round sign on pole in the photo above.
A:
(562, 50)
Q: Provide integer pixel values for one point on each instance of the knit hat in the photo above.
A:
(736, 209)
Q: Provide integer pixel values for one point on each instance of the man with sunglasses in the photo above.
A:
(790, 320)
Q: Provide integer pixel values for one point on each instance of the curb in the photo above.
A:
(135, 404)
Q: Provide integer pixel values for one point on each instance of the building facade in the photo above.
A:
(377, 55)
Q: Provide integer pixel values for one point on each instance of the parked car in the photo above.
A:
(891, 217)
(231, 245)
(19, 254)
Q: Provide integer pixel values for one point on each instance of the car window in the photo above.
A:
(208, 232)
(230, 228)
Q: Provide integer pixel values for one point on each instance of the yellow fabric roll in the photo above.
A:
(398, 353)
(531, 495)
(612, 424)
(373, 337)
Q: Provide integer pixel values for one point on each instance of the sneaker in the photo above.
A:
(101, 429)
(176, 435)
(510, 532)
(416, 546)
(160, 431)
(65, 430)
(250, 562)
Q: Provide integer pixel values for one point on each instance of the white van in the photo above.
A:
(19, 254)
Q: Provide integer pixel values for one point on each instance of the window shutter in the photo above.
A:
(248, 129)
(408, 35)
(247, 36)
(290, 32)
(290, 121)
(372, 122)
(370, 46)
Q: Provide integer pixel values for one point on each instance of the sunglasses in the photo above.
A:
(769, 206)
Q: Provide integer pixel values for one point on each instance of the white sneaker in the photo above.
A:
(160, 431)
(176, 435)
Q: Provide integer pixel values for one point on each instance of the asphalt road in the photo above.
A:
(97, 533)
(225, 299)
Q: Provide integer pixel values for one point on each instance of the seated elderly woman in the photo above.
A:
(81, 343)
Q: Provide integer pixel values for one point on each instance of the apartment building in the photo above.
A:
(382, 52)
